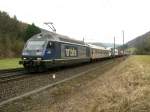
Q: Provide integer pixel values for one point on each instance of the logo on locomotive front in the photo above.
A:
(71, 52)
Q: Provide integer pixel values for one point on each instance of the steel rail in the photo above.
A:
(50, 85)
(12, 76)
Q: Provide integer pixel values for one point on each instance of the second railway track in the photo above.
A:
(5, 77)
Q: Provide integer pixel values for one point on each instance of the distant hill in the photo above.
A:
(140, 44)
(139, 40)
(104, 44)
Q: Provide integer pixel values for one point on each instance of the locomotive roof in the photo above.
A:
(51, 36)
(97, 47)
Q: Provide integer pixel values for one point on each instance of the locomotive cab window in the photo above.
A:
(32, 45)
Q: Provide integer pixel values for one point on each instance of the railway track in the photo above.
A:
(31, 84)
(11, 70)
(13, 74)
(42, 88)
(5, 77)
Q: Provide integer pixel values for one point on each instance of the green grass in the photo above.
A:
(9, 63)
(142, 58)
(132, 49)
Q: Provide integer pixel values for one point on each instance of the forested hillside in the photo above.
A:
(140, 45)
(13, 34)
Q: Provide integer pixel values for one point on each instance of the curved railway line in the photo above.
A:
(51, 85)
(17, 89)
(14, 74)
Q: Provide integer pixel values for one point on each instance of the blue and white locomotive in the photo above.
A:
(47, 49)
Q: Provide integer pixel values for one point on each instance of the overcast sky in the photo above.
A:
(95, 20)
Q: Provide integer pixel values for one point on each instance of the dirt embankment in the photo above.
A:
(123, 88)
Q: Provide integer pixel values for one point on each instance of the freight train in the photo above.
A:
(48, 49)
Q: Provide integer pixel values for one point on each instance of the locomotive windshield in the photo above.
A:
(32, 45)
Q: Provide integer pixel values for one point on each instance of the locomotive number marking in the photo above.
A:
(71, 52)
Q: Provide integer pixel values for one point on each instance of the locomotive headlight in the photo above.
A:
(24, 53)
(24, 58)
(39, 59)
(38, 53)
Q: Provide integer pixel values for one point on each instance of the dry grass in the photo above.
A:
(118, 87)
(128, 90)
(125, 88)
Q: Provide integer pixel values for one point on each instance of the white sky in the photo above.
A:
(95, 20)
